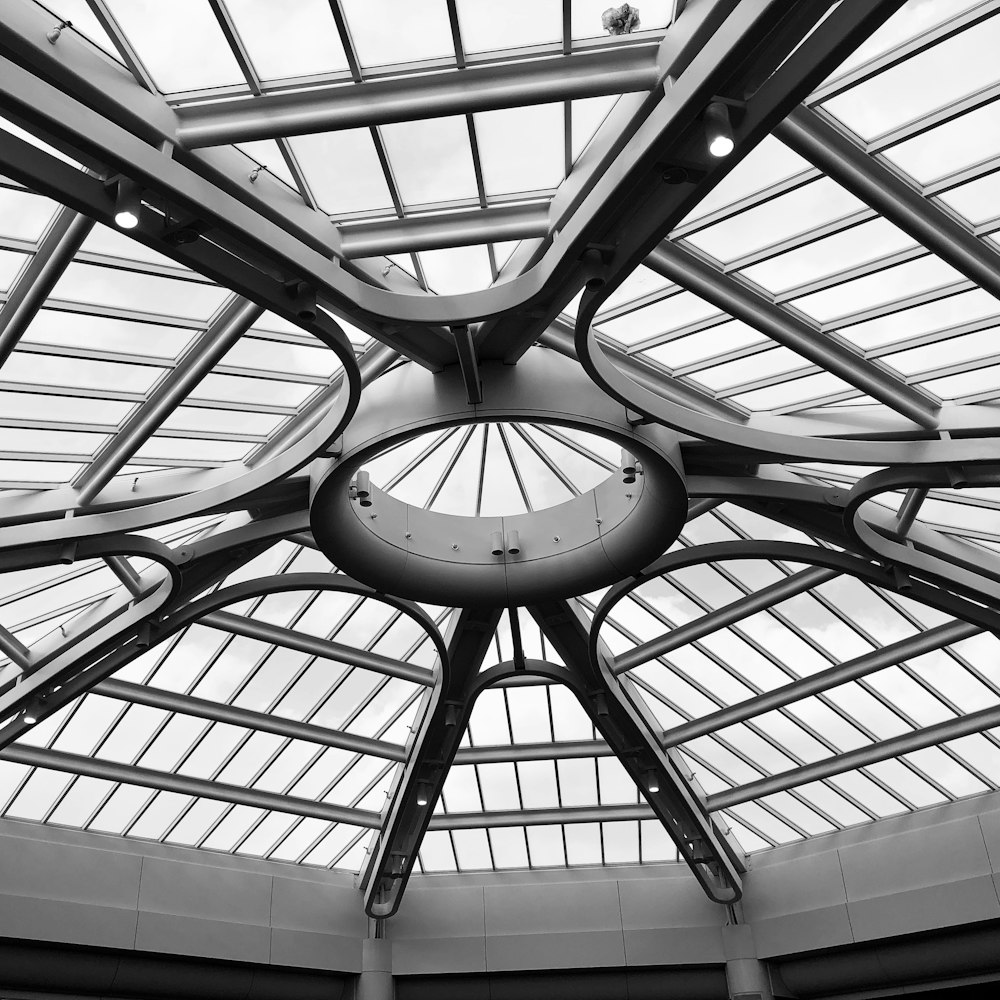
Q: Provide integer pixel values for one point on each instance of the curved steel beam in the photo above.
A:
(82, 123)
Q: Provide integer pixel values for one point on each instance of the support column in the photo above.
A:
(375, 981)
(746, 975)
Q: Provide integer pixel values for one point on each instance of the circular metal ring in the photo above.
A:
(917, 450)
(591, 541)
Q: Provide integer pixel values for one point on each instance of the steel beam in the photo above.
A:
(541, 817)
(598, 73)
(771, 53)
(759, 600)
(558, 750)
(920, 739)
(448, 229)
(445, 719)
(629, 729)
(743, 303)
(823, 680)
(90, 767)
(201, 708)
(806, 133)
(234, 320)
(327, 649)
(559, 337)
(55, 252)
(14, 649)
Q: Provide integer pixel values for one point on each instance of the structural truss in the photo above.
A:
(423, 451)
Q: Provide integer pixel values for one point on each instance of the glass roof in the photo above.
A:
(133, 375)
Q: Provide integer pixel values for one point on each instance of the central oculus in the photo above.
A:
(591, 541)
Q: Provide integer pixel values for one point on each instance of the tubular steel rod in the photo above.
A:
(57, 249)
(953, 729)
(762, 599)
(450, 229)
(314, 646)
(841, 673)
(598, 73)
(238, 316)
(184, 704)
(850, 166)
(89, 767)
(679, 265)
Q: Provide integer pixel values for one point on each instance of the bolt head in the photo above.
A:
(455, 546)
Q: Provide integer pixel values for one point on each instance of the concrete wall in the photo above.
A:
(921, 873)
(109, 893)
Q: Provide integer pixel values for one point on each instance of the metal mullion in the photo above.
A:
(907, 50)
(256, 87)
(731, 818)
(800, 240)
(230, 323)
(706, 364)
(957, 178)
(740, 755)
(659, 339)
(784, 668)
(546, 460)
(347, 767)
(124, 47)
(866, 686)
(943, 371)
(761, 734)
(30, 290)
(900, 305)
(851, 274)
(449, 467)
(482, 470)
(419, 460)
(605, 315)
(771, 810)
(563, 439)
(515, 468)
(934, 337)
(786, 326)
(240, 688)
(757, 198)
(340, 19)
(344, 850)
(103, 310)
(940, 116)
